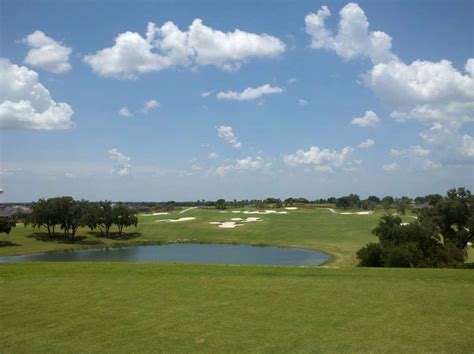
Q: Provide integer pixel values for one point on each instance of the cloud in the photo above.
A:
(302, 102)
(249, 93)
(391, 167)
(124, 112)
(418, 156)
(26, 104)
(353, 39)
(149, 105)
(433, 93)
(370, 119)
(246, 164)
(207, 93)
(213, 156)
(319, 159)
(292, 80)
(122, 161)
(227, 133)
(46, 53)
(167, 46)
(366, 144)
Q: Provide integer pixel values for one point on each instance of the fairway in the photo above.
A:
(185, 308)
(339, 235)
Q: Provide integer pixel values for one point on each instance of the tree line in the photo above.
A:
(438, 238)
(69, 215)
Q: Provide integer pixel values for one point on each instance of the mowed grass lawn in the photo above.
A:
(107, 307)
(339, 235)
(153, 307)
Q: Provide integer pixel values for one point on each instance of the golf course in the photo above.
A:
(124, 307)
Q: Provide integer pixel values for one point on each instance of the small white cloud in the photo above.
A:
(320, 159)
(292, 81)
(149, 105)
(26, 104)
(213, 156)
(46, 53)
(69, 175)
(123, 162)
(207, 93)
(391, 167)
(395, 152)
(246, 164)
(302, 102)
(366, 144)
(227, 133)
(124, 112)
(370, 119)
(249, 93)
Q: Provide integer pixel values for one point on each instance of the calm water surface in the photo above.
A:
(184, 253)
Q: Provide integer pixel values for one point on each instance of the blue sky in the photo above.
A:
(308, 74)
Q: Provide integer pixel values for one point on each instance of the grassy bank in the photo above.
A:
(72, 307)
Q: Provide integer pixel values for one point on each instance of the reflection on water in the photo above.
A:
(184, 253)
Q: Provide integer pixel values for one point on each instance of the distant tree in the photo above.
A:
(105, 217)
(6, 225)
(433, 199)
(387, 202)
(124, 216)
(374, 199)
(332, 200)
(343, 202)
(220, 204)
(45, 212)
(259, 204)
(289, 201)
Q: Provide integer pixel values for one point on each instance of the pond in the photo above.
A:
(184, 253)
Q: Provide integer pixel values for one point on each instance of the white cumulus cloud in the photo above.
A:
(366, 144)
(227, 133)
(46, 53)
(250, 93)
(168, 46)
(124, 112)
(391, 167)
(370, 119)
(123, 165)
(319, 159)
(25, 103)
(149, 105)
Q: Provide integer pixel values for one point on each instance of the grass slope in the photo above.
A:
(103, 307)
(339, 235)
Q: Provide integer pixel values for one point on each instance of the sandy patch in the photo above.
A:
(154, 214)
(229, 225)
(185, 210)
(350, 213)
(223, 212)
(405, 223)
(176, 220)
(291, 208)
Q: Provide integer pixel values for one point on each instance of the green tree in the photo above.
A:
(220, 204)
(124, 216)
(6, 225)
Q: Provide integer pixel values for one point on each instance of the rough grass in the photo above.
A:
(104, 307)
(339, 235)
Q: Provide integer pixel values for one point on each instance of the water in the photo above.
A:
(184, 253)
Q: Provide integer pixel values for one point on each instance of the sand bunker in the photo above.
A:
(291, 208)
(154, 214)
(234, 223)
(259, 212)
(185, 210)
(351, 213)
(176, 220)
(405, 223)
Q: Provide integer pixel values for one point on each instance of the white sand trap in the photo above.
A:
(291, 208)
(176, 220)
(364, 212)
(154, 214)
(252, 220)
(214, 223)
(282, 212)
(229, 225)
(350, 213)
(223, 212)
(236, 211)
(185, 210)
(236, 219)
(405, 223)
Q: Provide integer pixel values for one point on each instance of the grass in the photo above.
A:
(104, 307)
(339, 235)
(133, 307)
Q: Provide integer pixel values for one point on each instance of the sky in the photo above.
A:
(185, 100)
